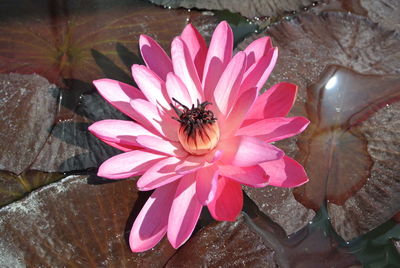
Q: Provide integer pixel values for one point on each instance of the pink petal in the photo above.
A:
(166, 171)
(258, 73)
(163, 146)
(155, 57)
(206, 184)
(153, 119)
(228, 201)
(253, 176)
(257, 49)
(228, 86)
(125, 148)
(275, 102)
(128, 164)
(185, 70)
(197, 47)
(120, 132)
(151, 223)
(276, 128)
(244, 151)
(239, 111)
(285, 172)
(185, 212)
(161, 173)
(118, 94)
(190, 164)
(218, 56)
(176, 89)
(213, 156)
(151, 85)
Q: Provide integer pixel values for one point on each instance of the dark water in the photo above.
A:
(318, 245)
(350, 150)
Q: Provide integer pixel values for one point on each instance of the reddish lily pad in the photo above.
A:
(334, 140)
(396, 217)
(380, 193)
(13, 187)
(384, 12)
(281, 206)
(28, 107)
(363, 58)
(82, 40)
(72, 223)
(224, 244)
(249, 8)
(83, 46)
(71, 147)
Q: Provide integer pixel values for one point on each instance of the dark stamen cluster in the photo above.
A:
(194, 118)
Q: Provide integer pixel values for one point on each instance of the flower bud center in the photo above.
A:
(199, 131)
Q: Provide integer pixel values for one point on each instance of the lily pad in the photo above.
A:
(28, 105)
(224, 244)
(70, 146)
(380, 194)
(315, 245)
(13, 187)
(334, 140)
(281, 206)
(82, 40)
(72, 223)
(249, 8)
(72, 44)
(384, 12)
(347, 69)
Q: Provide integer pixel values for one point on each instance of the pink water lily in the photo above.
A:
(200, 130)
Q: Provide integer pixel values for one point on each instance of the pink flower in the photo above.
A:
(200, 131)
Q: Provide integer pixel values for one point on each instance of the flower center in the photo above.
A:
(199, 131)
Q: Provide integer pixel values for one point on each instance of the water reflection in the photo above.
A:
(334, 149)
(331, 83)
(318, 245)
